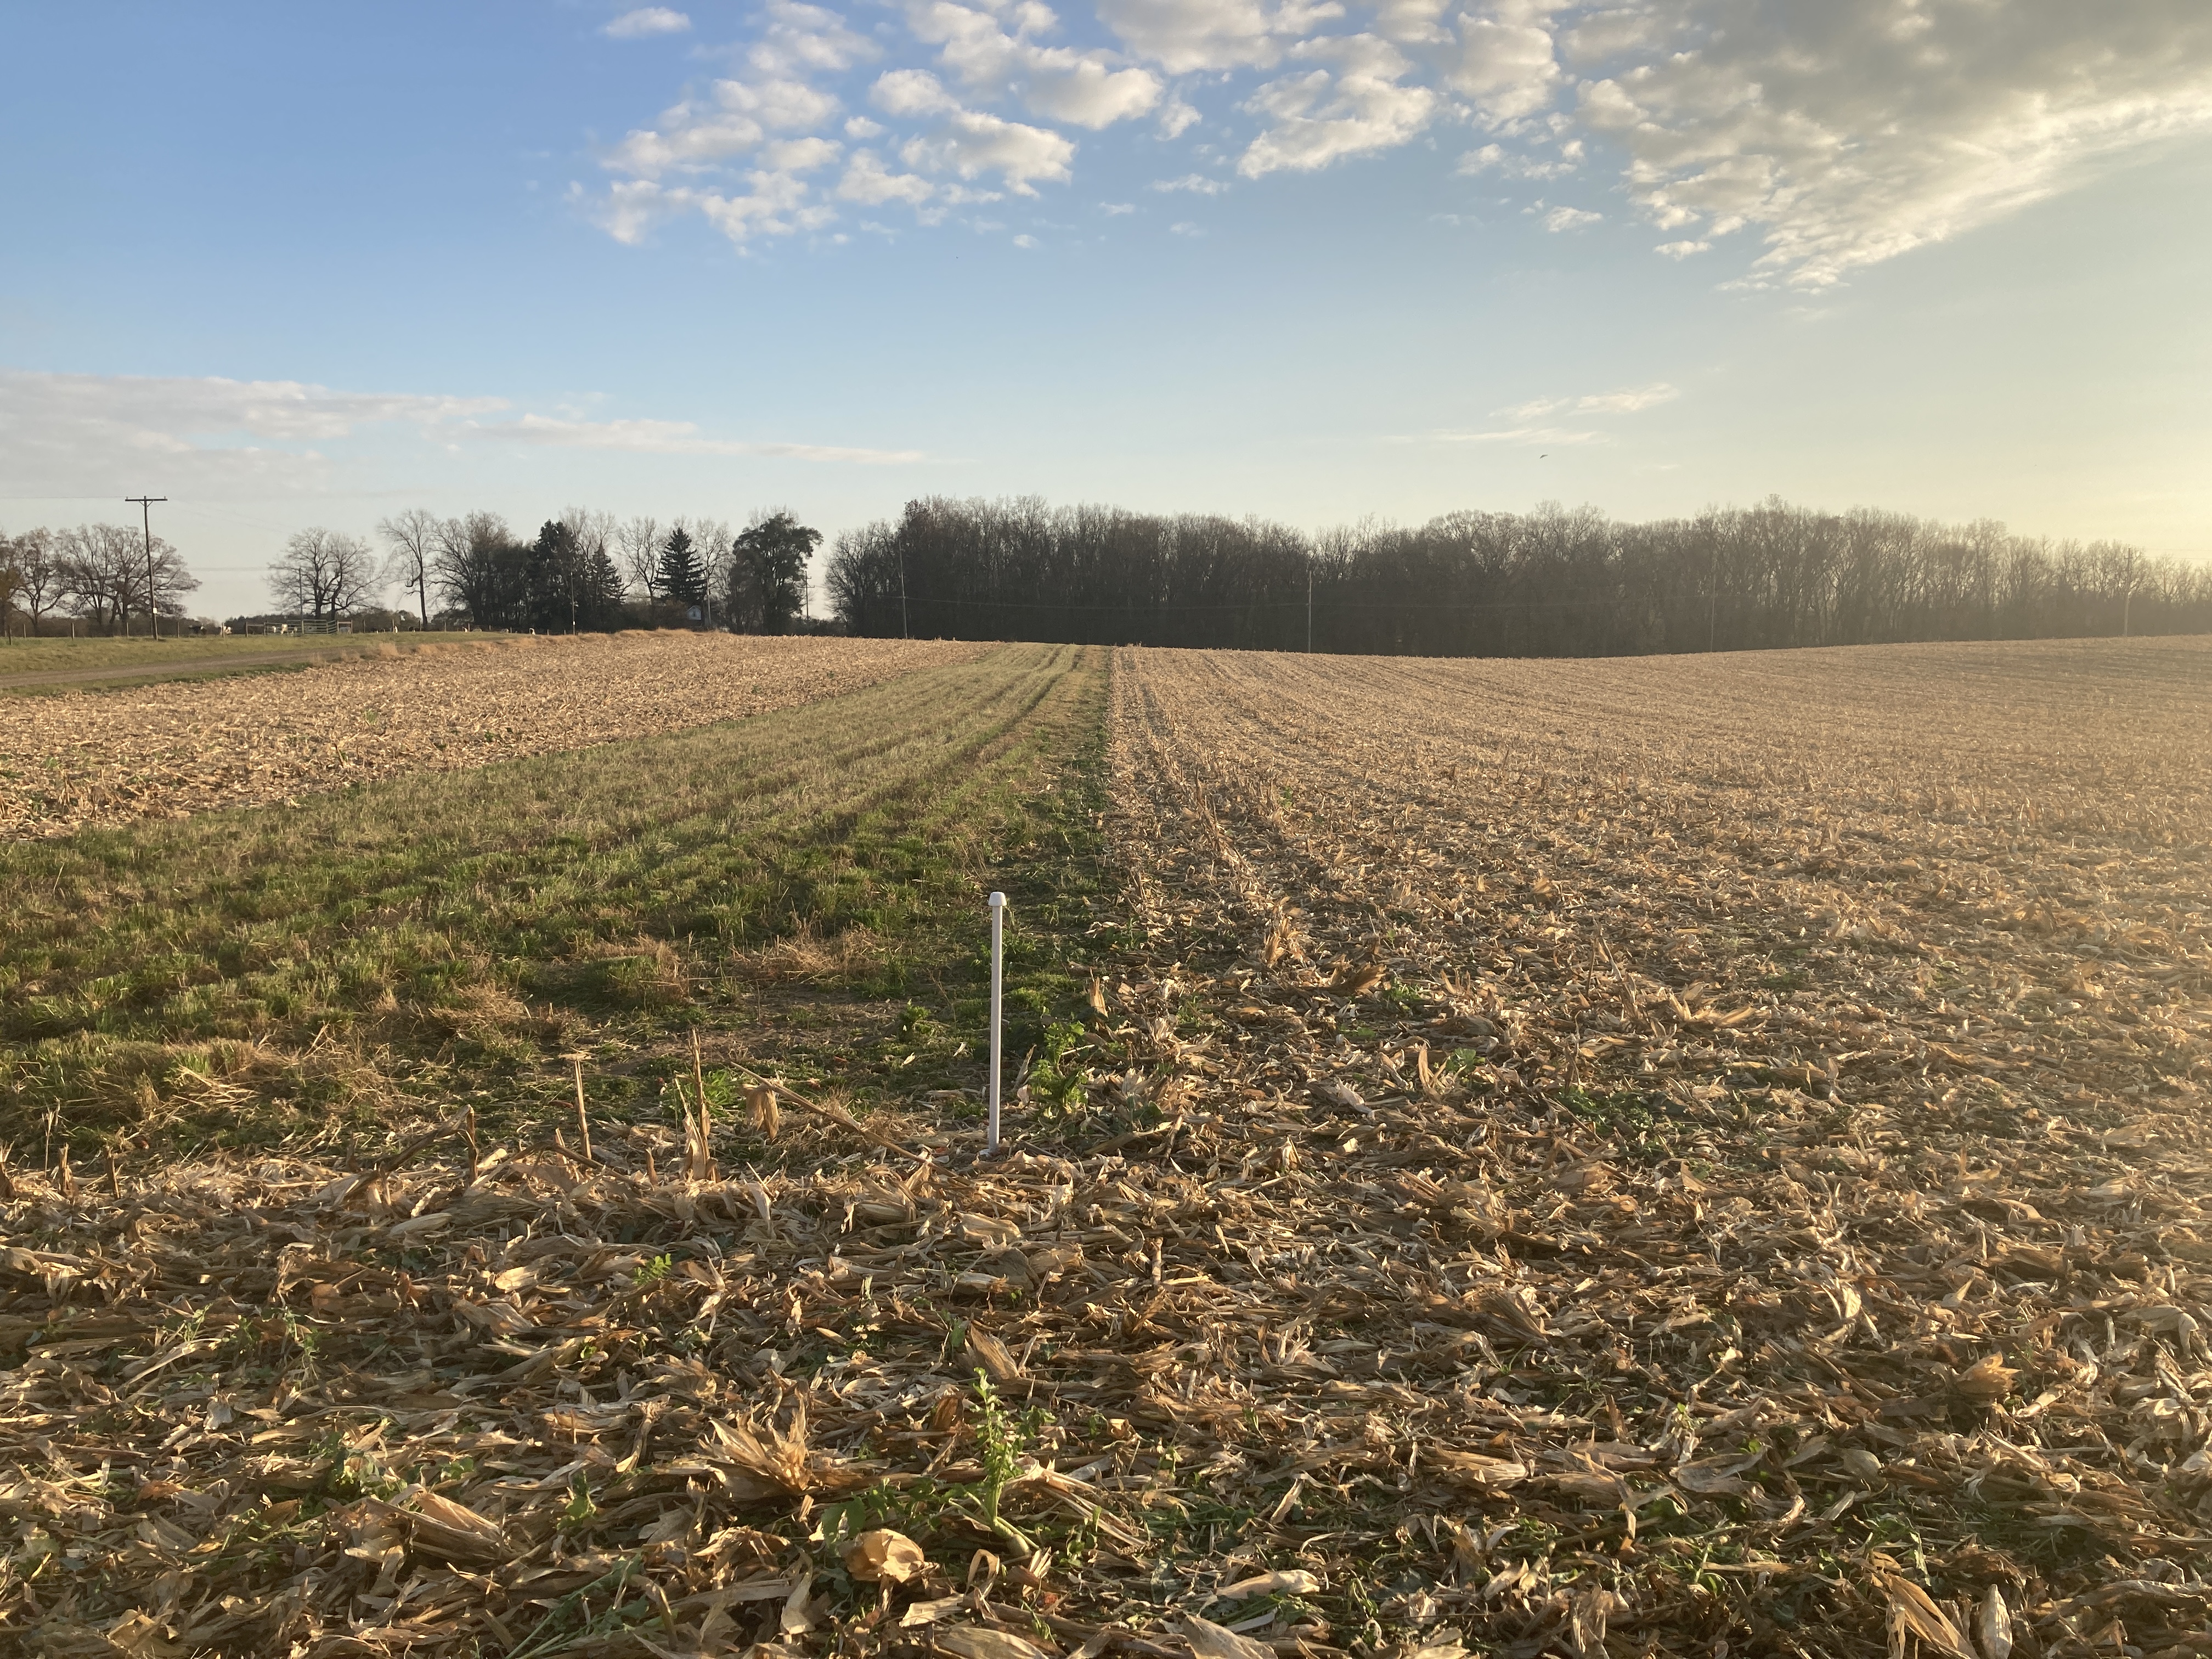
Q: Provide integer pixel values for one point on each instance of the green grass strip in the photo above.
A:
(485, 919)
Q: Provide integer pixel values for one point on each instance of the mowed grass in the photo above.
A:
(253, 973)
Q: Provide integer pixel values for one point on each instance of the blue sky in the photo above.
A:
(1314, 259)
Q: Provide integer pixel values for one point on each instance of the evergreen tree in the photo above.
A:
(558, 578)
(604, 593)
(681, 578)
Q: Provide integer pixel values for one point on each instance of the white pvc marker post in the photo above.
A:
(997, 988)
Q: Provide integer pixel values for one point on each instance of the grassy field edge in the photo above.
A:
(794, 881)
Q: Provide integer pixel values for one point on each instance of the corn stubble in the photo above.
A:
(85, 759)
(258, 973)
(1578, 1159)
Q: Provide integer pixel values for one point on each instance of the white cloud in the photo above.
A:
(1186, 227)
(771, 201)
(1065, 87)
(692, 139)
(868, 182)
(1177, 117)
(1026, 241)
(911, 92)
(1196, 183)
(1527, 437)
(1115, 210)
(169, 413)
(1568, 218)
(972, 144)
(771, 204)
(1850, 132)
(735, 154)
(780, 106)
(1629, 401)
(1518, 164)
(1841, 132)
(68, 434)
(1184, 35)
(645, 21)
(800, 40)
(631, 207)
(1412, 21)
(1088, 89)
(676, 438)
(1504, 66)
(1608, 33)
(71, 435)
(800, 154)
(696, 137)
(1319, 117)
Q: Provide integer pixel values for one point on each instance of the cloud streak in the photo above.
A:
(93, 431)
(1527, 437)
(676, 438)
(1630, 401)
(1530, 431)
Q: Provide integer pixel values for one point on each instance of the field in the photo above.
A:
(80, 758)
(1680, 1155)
(31, 664)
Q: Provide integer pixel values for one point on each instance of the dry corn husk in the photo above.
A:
(977, 1642)
(884, 1556)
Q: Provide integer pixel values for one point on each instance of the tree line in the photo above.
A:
(101, 574)
(583, 572)
(1552, 582)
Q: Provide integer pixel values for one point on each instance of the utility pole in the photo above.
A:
(905, 632)
(145, 505)
(1309, 607)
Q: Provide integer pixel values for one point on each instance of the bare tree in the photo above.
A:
(480, 568)
(103, 575)
(38, 585)
(95, 563)
(1550, 582)
(11, 583)
(640, 541)
(324, 574)
(595, 532)
(413, 536)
